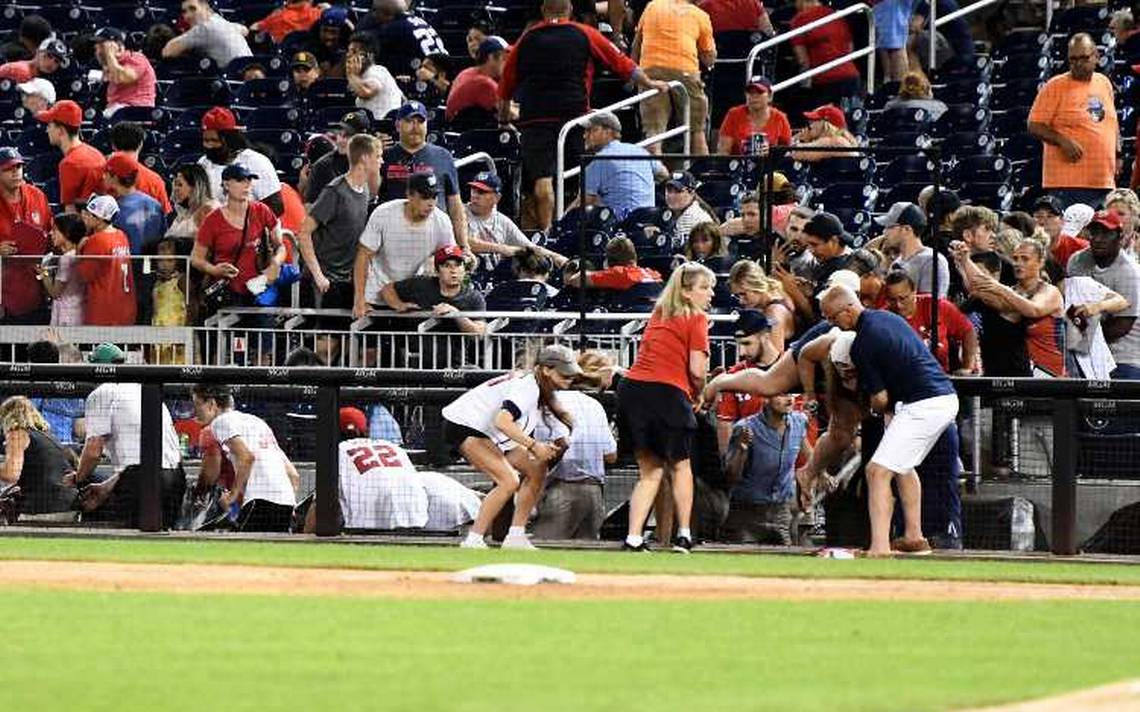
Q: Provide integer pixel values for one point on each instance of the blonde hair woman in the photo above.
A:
(656, 397)
(828, 128)
(915, 93)
(34, 460)
(755, 290)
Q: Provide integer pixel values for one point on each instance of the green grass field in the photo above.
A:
(135, 651)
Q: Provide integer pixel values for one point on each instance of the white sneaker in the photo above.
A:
(469, 543)
(518, 542)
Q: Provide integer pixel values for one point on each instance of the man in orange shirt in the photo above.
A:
(621, 272)
(82, 168)
(25, 220)
(104, 266)
(1075, 116)
(127, 137)
(296, 15)
(674, 41)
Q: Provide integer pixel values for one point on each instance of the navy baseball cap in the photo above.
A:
(487, 181)
(236, 171)
(751, 321)
(825, 226)
(1051, 203)
(335, 17)
(423, 184)
(682, 180)
(412, 108)
(10, 157)
(491, 45)
(110, 34)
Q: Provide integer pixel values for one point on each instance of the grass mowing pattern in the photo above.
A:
(450, 558)
(134, 651)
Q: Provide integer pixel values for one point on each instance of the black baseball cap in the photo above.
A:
(1051, 203)
(354, 122)
(423, 184)
(825, 226)
(682, 180)
(751, 321)
(903, 213)
(110, 34)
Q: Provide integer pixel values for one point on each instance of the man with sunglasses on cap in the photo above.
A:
(81, 170)
(397, 241)
(491, 234)
(52, 56)
(413, 154)
(128, 75)
(25, 219)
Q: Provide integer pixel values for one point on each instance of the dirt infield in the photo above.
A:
(191, 578)
(1120, 697)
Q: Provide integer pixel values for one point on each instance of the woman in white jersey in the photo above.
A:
(491, 426)
(265, 481)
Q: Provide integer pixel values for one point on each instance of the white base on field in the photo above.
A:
(517, 574)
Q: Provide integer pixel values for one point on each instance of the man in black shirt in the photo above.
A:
(402, 40)
(335, 163)
(446, 293)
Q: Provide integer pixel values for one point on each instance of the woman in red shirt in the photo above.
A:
(755, 124)
(227, 244)
(655, 400)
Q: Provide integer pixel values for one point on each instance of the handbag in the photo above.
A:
(218, 295)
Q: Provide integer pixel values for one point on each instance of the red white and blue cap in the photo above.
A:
(10, 157)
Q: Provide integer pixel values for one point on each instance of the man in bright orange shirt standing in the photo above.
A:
(294, 16)
(1075, 116)
(82, 168)
(674, 40)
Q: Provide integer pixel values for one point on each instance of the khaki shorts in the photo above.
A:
(655, 112)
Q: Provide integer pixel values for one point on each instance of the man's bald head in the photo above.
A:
(840, 306)
(1082, 56)
(556, 8)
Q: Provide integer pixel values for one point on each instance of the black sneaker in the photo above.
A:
(683, 545)
(642, 547)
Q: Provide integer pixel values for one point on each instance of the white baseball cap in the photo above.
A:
(1076, 216)
(103, 207)
(841, 278)
(841, 348)
(39, 87)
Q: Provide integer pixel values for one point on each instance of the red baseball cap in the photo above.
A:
(451, 252)
(65, 112)
(830, 113)
(1109, 219)
(122, 165)
(219, 118)
(353, 420)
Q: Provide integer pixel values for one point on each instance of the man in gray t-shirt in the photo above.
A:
(329, 235)
(210, 34)
(903, 227)
(1107, 263)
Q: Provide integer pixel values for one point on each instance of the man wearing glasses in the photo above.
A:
(1075, 117)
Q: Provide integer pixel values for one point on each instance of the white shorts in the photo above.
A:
(913, 431)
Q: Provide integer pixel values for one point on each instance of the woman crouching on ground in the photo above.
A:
(491, 426)
(656, 398)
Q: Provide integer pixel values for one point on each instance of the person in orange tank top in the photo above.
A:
(656, 399)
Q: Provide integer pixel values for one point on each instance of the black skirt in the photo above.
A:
(657, 418)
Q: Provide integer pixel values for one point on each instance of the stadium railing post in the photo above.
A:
(150, 459)
(328, 476)
(1064, 524)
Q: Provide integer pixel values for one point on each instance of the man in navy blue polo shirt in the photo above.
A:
(901, 377)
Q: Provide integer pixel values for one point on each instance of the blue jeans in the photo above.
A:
(1126, 372)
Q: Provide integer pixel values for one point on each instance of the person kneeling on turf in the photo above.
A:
(265, 481)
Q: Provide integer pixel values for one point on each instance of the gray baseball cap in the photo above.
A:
(561, 359)
(903, 213)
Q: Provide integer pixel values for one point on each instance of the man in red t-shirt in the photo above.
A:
(755, 350)
(52, 55)
(478, 87)
(738, 15)
(110, 295)
(821, 45)
(621, 272)
(25, 220)
(955, 332)
(82, 168)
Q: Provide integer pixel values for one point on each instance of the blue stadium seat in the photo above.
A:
(1021, 147)
(721, 194)
(900, 192)
(640, 298)
(257, 93)
(197, 91)
(274, 64)
(284, 142)
(966, 143)
(841, 196)
(915, 169)
(1082, 18)
(182, 144)
(129, 17)
(842, 170)
(997, 196)
(979, 169)
(271, 117)
(515, 295)
(1011, 123)
(1019, 41)
(329, 91)
(963, 92)
(898, 120)
(186, 67)
(149, 117)
(190, 118)
(961, 117)
(1020, 67)
(905, 139)
(42, 167)
(1016, 94)
(33, 141)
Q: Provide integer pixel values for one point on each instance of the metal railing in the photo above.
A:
(479, 157)
(868, 51)
(561, 173)
(936, 22)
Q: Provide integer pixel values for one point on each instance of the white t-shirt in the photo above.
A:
(268, 478)
(267, 182)
(478, 407)
(451, 504)
(113, 411)
(401, 247)
(388, 98)
(590, 442)
(379, 486)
